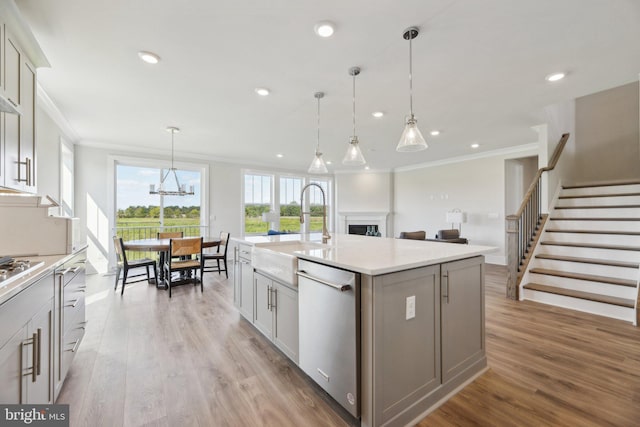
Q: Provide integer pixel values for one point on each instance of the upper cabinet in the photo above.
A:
(20, 54)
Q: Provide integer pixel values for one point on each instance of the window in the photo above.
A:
(290, 188)
(258, 190)
(141, 215)
(264, 192)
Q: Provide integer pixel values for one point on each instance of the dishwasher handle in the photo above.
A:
(342, 288)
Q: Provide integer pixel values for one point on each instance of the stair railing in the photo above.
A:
(523, 225)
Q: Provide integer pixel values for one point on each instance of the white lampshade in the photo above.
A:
(318, 165)
(456, 217)
(411, 138)
(353, 156)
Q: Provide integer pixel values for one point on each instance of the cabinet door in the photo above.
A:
(285, 332)
(246, 289)
(263, 312)
(40, 329)
(462, 293)
(13, 363)
(12, 61)
(27, 150)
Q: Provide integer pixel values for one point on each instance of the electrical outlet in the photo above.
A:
(411, 307)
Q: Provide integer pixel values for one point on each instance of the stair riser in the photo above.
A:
(608, 310)
(583, 268)
(628, 256)
(584, 285)
(633, 226)
(596, 239)
(612, 189)
(597, 213)
(600, 201)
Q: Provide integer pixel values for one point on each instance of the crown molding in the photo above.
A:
(531, 149)
(47, 104)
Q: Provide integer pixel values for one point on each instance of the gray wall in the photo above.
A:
(607, 136)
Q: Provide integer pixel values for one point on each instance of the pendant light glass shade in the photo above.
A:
(411, 138)
(353, 156)
(317, 164)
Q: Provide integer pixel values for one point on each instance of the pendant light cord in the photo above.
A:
(172, 133)
(318, 144)
(354, 104)
(410, 75)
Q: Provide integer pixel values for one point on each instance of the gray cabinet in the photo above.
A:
(243, 281)
(69, 315)
(276, 313)
(18, 140)
(26, 345)
(462, 284)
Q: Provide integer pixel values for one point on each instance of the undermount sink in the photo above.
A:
(278, 259)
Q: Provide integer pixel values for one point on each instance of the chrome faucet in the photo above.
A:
(325, 233)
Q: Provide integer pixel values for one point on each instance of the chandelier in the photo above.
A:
(166, 188)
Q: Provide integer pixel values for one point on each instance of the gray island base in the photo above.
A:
(409, 332)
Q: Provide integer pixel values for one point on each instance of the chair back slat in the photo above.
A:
(224, 241)
(185, 247)
(118, 244)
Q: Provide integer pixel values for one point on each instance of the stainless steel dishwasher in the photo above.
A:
(329, 319)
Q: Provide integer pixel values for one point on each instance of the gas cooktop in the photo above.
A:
(12, 269)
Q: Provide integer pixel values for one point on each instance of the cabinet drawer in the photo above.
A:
(244, 251)
(73, 312)
(70, 344)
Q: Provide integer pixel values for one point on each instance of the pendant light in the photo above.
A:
(354, 156)
(317, 165)
(164, 189)
(411, 139)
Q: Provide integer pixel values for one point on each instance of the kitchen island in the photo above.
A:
(416, 335)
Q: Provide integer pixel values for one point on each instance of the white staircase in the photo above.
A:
(588, 256)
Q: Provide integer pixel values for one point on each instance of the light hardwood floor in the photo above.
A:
(191, 360)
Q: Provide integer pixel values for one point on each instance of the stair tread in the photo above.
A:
(593, 219)
(617, 233)
(586, 196)
(592, 245)
(607, 299)
(589, 260)
(606, 184)
(599, 207)
(581, 276)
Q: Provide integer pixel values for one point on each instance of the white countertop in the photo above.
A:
(375, 255)
(50, 263)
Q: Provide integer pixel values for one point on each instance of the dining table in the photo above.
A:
(162, 246)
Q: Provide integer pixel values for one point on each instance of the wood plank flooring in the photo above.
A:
(192, 361)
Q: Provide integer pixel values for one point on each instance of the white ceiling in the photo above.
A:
(479, 69)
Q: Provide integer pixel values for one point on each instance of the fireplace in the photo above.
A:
(362, 229)
(357, 222)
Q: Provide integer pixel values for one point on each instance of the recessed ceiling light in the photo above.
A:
(262, 91)
(366, 168)
(279, 156)
(435, 132)
(149, 57)
(475, 145)
(555, 77)
(324, 29)
(328, 162)
(377, 114)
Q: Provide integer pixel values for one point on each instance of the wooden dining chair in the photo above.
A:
(168, 235)
(220, 255)
(124, 265)
(185, 256)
